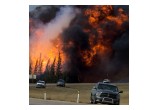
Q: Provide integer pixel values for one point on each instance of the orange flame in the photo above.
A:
(49, 49)
(97, 16)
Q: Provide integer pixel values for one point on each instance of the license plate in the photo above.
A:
(107, 100)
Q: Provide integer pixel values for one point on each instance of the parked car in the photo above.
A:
(40, 84)
(105, 93)
(61, 83)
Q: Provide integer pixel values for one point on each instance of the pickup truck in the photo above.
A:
(105, 93)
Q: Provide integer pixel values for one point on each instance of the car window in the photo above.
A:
(61, 80)
(108, 87)
(41, 82)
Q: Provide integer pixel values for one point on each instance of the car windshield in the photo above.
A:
(60, 80)
(108, 87)
(41, 82)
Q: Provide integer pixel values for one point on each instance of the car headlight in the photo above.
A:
(98, 94)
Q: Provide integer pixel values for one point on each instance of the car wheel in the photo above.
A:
(117, 103)
(94, 101)
(91, 101)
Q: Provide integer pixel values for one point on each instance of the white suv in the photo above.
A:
(41, 84)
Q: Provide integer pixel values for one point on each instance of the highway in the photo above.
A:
(34, 101)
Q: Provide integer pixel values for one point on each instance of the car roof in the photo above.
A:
(106, 83)
(41, 81)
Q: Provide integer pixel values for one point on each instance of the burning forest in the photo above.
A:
(79, 43)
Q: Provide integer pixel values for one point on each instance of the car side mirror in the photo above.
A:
(120, 91)
(94, 87)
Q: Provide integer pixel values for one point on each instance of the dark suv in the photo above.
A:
(61, 83)
(105, 93)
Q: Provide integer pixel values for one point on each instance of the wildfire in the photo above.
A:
(97, 17)
(97, 13)
(119, 19)
(100, 37)
(40, 47)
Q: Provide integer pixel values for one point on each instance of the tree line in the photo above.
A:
(52, 72)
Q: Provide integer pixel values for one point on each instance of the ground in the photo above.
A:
(69, 93)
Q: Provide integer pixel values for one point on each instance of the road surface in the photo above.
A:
(34, 101)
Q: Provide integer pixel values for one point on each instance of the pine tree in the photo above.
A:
(40, 65)
(58, 70)
(30, 72)
(52, 72)
(36, 67)
(47, 71)
(30, 68)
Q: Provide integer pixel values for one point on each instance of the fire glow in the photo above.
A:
(83, 35)
(46, 49)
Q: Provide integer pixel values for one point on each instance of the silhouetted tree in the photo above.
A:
(40, 65)
(30, 68)
(59, 67)
(53, 76)
(36, 67)
(47, 71)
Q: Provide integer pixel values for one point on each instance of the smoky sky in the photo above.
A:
(113, 64)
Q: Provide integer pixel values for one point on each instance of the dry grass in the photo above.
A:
(69, 93)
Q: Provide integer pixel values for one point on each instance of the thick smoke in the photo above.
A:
(76, 41)
(32, 7)
(61, 21)
(94, 39)
(42, 32)
(112, 63)
(43, 13)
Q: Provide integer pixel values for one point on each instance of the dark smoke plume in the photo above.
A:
(109, 65)
(96, 46)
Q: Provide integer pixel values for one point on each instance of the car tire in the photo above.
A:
(91, 101)
(117, 103)
(94, 101)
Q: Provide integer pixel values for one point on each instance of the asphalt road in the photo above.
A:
(34, 101)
